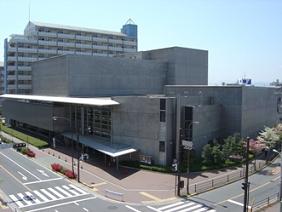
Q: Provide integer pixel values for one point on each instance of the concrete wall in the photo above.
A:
(49, 77)
(136, 122)
(259, 109)
(185, 66)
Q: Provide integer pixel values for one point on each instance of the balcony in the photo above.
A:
(115, 48)
(12, 49)
(47, 34)
(65, 44)
(12, 58)
(81, 37)
(129, 50)
(47, 43)
(11, 68)
(86, 46)
(28, 50)
(115, 41)
(62, 35)
(100, 47)
(24, 86)
(65, 52)
(24, 68)
(24, 77)
(133, 43)
(83, 53)
(11, 77)
(47, 51)
(100, 39)
(27, 59)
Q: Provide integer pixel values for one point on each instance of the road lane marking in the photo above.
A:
(85, 209)
(20, 166)
(48, 194)
(201, 210)
(237, 203)
(172, 205)
(41, 196)
(16, 200)
(63, 191)
(56, 193)
(43, 172)
(32, 197)
(23, 176)
(154, 209)
(150, 196)
(70, 190)
(76, 188)
(76, 203)
(131, 208)
(23, 197)
(181, 206)
(42, 181)
(61, 204)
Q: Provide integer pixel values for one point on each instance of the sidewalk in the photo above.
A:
(126, 184)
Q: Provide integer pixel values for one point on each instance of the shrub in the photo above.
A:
(70, 174)
(56, 167)
(24, 150)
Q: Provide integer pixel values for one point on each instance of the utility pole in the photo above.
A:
(178, 134)
(246, 184)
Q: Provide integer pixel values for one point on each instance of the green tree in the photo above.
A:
(207, 154)
(217, 154)
(269, 136)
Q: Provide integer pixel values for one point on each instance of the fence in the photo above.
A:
(258, 205)
(224, 179)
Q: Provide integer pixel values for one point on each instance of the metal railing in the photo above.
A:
(270, 200)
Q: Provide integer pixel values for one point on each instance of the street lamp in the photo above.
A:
(189, 146)
(280, 155)
(55, 118)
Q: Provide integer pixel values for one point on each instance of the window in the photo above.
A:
(162, 146)
(162, 116)
(162, 104)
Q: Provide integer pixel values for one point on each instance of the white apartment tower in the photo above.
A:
(41, 41)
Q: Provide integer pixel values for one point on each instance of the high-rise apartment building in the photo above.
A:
(1, 78)
(41, 41)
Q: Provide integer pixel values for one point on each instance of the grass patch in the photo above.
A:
(29, 139)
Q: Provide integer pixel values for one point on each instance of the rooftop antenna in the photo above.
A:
(28, 11)
(130, 21)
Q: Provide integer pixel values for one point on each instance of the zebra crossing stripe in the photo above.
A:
(56, 193)
(63, 191)
(172, 205)
(201, 210)
(41, 196)
(191, 208)
(48, 194)
(28, 202)
(70, 190)
(78, 189)
(15, 199)
(32, 196)
(180, 207)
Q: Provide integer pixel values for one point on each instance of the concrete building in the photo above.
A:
(1, 77)
(42, 40)
(139, 104)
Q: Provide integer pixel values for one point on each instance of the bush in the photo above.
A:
(70, 174)
(56, 167)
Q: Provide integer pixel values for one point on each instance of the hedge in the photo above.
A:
(29, 139)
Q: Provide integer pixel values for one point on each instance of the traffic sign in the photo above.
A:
(187, 144)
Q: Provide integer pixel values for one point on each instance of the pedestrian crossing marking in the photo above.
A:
(183, 206)
(46, 195)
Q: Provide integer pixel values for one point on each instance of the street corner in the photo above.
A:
(156, 197)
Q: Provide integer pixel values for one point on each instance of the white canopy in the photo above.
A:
(73, 100)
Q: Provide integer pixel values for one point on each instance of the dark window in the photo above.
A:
(162, 104)
(162, 116)
(162, 146)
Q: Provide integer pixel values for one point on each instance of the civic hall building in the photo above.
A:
(138, 105)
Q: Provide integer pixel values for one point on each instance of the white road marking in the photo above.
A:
(85, 209)
(15, 199)
(76, 203)
(23, 197)
(131, 208)
(180, 207)
(57, 205)
(63, 191)
(23, 176)
(154, 209)
(43, 172)
(78, 189)
(41, 196)
(20, 166)
(201, 210)
(41, 181)
(237, 203)
(32, 197)
(172, 205)
(70, 190)
(48, 194)
(191, 208)
(56, 193)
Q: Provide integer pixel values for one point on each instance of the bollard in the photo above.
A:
(227, 178)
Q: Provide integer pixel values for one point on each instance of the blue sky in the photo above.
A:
(243, 37)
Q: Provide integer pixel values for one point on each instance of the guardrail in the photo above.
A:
(224, 179)
(114, 195)
(270, 200)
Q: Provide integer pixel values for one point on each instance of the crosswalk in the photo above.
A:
(45, 195)
(183, 206)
